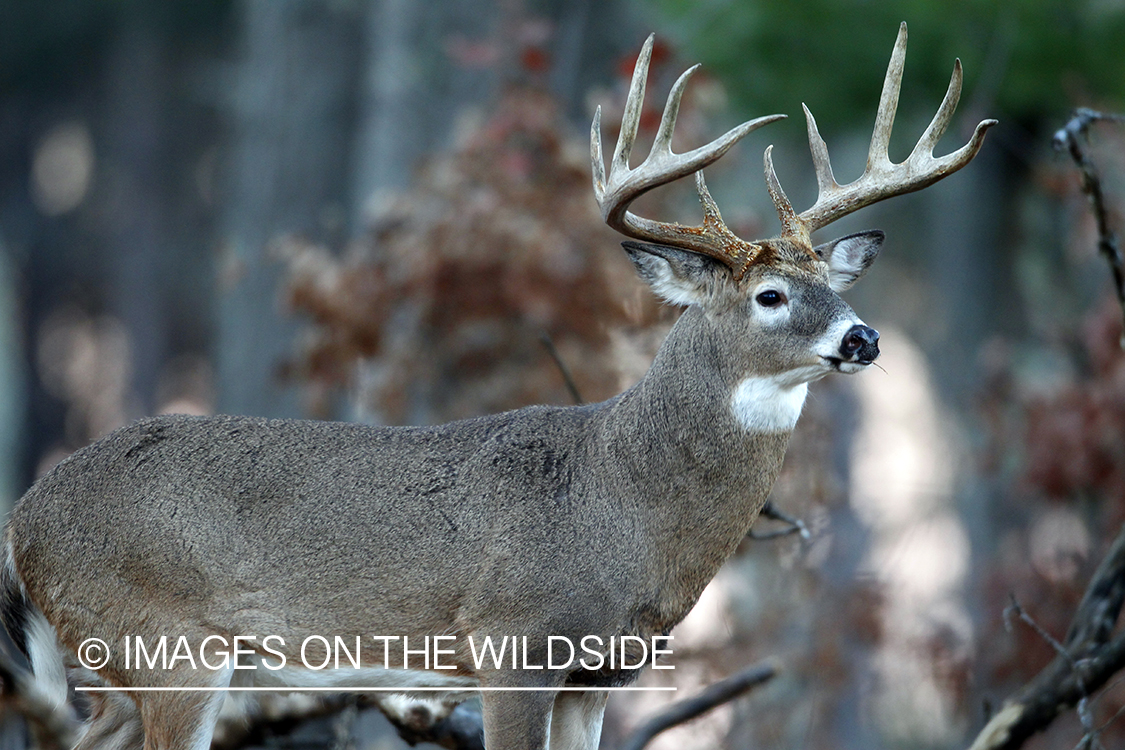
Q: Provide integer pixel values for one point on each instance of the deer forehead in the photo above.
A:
(784, 257)
(804, 281)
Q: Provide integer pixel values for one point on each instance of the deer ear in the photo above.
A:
(849, 257)
(680, 277)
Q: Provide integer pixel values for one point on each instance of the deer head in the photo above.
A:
(784, 287)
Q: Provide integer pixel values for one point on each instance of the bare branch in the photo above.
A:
(793, 525)
(713, 695)
(1015, 609)
(549, 344)
(1087, 659)
(1071, 137)
(1083, 706)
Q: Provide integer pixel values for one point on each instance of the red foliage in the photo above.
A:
(1076, 439)
(440, 313)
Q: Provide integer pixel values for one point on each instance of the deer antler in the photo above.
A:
(882, 178)
(661, 166)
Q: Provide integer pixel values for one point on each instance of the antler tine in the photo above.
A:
(662, 144)
(631, 119)
(596, 161)
(825, 180)
(878, 155)
(791, 225)
(882, 178)
(661, 166)
(936, 129)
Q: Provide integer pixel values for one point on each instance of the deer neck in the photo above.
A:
(681, 450)
(699, 415)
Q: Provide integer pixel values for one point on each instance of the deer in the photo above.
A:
(602, 521)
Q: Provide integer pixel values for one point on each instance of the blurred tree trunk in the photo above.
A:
(12, 386)
(137, 242)
(425, 65)
(292, 111)
(414, 87)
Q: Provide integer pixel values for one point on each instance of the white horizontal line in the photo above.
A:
(365, 689)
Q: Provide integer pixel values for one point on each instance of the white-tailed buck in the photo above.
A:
(177, 539)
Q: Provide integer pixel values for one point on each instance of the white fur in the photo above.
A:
(44, 652)
(576, 721)
(849, 258)
(46, 659)
(768, 404)
(439, 703)
(672, 288)
(300, 676)
(206, 729)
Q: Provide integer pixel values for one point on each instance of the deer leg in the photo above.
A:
(114, 724)
(516, 719)
(576, 722)
(181, 720)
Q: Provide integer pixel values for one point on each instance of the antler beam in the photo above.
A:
(882, 178)
(661, 166)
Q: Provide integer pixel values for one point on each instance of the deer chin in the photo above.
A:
(847, 367)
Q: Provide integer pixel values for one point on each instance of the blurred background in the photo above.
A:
(381, 211)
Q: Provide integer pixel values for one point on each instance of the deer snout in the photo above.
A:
(860, 344)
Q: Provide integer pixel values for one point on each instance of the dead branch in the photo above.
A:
(568, 378)
(1085, 716)
(712, 696)
(793, 525)
(1071, 138)
(1086, 659)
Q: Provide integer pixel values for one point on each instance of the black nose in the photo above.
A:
(861, 344)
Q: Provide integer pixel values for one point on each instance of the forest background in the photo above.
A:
(381, 211)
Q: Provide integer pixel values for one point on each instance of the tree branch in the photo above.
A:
(568, 378)
(794, 525)
(713, 695)
(1071, 137)
(1087, 659)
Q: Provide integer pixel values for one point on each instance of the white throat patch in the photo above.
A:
(767, 405)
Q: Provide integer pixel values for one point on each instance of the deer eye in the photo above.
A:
(770, 298)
